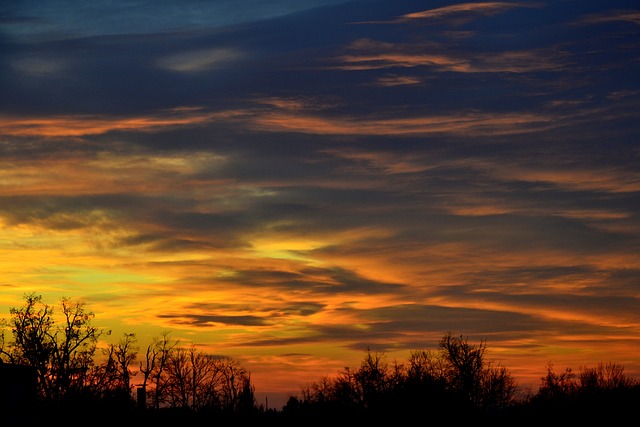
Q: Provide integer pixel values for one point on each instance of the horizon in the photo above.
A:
(291, 183)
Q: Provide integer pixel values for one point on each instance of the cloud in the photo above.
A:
(79, 125)
(318, 281)
(608, 179)
(213, 320)
(200, 60)
(35, 66)
(458, 14)
(280, 120)
(551, 304)
(56, 20)
(631, 16)
(386, 161)
(477, 123)
(395, 80)
(480, 8)
(373, 55)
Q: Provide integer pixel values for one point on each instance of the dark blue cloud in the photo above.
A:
(63, 19)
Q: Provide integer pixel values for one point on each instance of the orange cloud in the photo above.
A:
(458, 13)
(103, 174)
(287, 116)
(594, 179)
(483, 8)
(372, 55)
(388, 162)
(82, 125)
(477, 123)
(390, 81)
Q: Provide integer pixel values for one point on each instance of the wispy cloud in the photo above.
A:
(200, 60)
(395, 80)
(631, 16)
(479, 8)
(82, 125)
(460, 13)
(35, 66)
(463, 123)
(373, 55)
(295, 116)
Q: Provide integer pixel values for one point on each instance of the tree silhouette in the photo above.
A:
(189, 387)
(484, 385)
(153, 368)
(186, 378)
(456, 377)
(62, 355)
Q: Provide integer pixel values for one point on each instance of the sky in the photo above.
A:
(291, 183)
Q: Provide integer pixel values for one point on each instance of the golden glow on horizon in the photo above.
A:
(37, 258)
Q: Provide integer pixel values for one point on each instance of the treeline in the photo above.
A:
(179, 384)
(70, 379)
(458, 382)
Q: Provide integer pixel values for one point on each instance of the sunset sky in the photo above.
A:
(291, 182)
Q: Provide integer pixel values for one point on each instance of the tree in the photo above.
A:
(425, 367)
(557, 387)
(112, 378)
(463, 363)
(153, 368)
(373, 379)
(30, 328)
(235, 385)
(498, 388)
(602, 392)
(125, 354)
(107, 385)
(61, 354)
(456, 377)
(180, 377)
(485, 386)
(605, 376)
(425, 386)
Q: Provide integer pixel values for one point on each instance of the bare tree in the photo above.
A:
(110, 381)
(179, 372)
(605, 376)
(205, 380)
(373, 378)
(61, 355)
(425, 367)
(187, 378)
(463, 365)
(30, 326)
(235, 386)
(467, 371)
(153, 368)
(498, 388)
(116, 371)
(319, 392)
(126, 353)
(557, 387)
